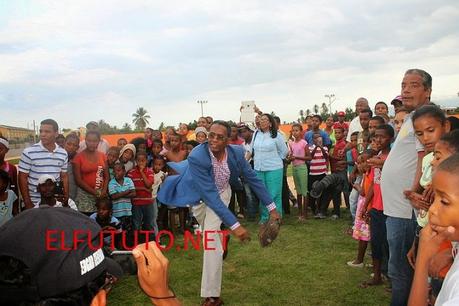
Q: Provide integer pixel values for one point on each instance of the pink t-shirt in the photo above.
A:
(377, 195)
(297, 150)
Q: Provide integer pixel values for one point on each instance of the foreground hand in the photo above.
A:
(241, 233)
(152, 270)
(431, 237)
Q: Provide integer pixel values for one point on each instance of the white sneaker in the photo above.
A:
(354, 265)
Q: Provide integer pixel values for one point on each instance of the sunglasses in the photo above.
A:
(219, 137)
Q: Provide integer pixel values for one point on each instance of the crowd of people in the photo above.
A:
(397, 176)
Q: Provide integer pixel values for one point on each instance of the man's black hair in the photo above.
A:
(356, 133)
(225, 124)
(277, 120)
(318, 117)
(454, 122)
(379, 119)
(368, 111)
(432, 111)
(51, 122)
(388, 128)
(382, 102)
(93, 132)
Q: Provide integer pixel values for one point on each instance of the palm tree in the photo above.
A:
(316, 109)
(308, 112)
(140, 118)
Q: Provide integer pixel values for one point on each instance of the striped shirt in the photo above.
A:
(121, 206)
(318, 163)
(221, 172)
(36, 160)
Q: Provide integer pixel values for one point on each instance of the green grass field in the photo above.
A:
(305, 266)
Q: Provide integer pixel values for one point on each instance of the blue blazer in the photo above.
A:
(195, 182)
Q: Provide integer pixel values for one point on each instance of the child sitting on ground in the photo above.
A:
(7, 198)
(104, 218)
(298, 155)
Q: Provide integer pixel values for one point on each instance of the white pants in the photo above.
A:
(211, 281)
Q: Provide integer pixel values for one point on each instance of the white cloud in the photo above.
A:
(104, 59)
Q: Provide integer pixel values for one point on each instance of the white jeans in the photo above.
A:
(211, 281)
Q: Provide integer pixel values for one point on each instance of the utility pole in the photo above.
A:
(331, 99)
(202, 102)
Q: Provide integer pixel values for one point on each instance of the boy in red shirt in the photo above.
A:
(142, 203)
(338, 165)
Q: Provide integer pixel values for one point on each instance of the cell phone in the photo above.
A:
(58, 188)
(247, 113)
(125, 260)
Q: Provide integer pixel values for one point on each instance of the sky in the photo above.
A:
(77, 61)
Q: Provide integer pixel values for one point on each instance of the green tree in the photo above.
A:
(350, 114)
(141, 117)
(301, 119)
(316, 109)
(308, 112)
(161, 126)
(126, 128)
(324, 111)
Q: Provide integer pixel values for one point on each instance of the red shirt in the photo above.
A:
(338, 154)
(143, 194)
(91, 173)
(377, 195)
(343, 125)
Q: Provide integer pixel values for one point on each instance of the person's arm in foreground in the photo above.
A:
(153, 276)
(429, 242)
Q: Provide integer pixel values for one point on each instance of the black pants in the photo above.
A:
(312, 201)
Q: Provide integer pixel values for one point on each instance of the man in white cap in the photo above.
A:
(49, 190)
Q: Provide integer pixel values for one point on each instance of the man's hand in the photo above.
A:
(440, 261)
(152, 270)
(428, 195)
(417, 200)
(241, 233)
(274, 215)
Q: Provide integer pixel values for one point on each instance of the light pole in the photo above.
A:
(330, 101)
(202, 102)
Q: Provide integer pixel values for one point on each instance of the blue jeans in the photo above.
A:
(252, 202)
(144, 217)
(400, 236)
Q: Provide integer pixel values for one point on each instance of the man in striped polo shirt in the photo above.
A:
(44, 157)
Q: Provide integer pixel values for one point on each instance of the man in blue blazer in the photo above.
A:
(206, 176)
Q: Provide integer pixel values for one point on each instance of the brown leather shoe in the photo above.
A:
(212, 301)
